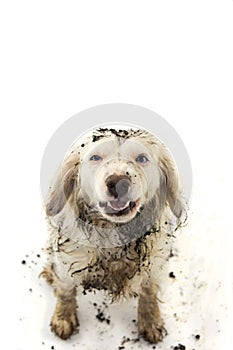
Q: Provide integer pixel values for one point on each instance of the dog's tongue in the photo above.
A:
(118, 204)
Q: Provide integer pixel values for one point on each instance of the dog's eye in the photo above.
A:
(142, 159)
(96, 158)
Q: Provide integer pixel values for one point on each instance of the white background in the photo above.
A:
(60, 57)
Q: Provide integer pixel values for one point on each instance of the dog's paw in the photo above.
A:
(153, 333)
(64, 326)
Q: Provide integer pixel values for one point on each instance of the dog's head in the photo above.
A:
(116, 174)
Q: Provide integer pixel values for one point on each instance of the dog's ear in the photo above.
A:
(171, 186)
(64, 185)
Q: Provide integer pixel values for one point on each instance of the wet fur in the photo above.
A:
(136, 266)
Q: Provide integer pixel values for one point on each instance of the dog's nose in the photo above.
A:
(118, 185)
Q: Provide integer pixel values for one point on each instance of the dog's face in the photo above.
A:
(118, 176)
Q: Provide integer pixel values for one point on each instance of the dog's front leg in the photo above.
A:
(150, 323)
(64, 321)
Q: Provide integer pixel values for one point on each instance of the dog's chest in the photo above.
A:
(112, 275)
(109, 270)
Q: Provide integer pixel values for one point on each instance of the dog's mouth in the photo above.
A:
(119, 208)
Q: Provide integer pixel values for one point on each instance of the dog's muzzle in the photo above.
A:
(119, 190)
(118, 186)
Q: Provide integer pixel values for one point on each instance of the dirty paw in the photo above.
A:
(64, 327)
(153, 333)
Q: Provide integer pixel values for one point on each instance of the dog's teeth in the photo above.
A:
(118, 205)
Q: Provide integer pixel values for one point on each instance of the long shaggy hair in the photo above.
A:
(112, 213)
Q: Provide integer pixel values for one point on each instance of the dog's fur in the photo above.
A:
(92, 245)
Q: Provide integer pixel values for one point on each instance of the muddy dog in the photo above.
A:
(112, 211)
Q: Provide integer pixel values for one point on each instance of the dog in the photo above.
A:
(112, 212)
